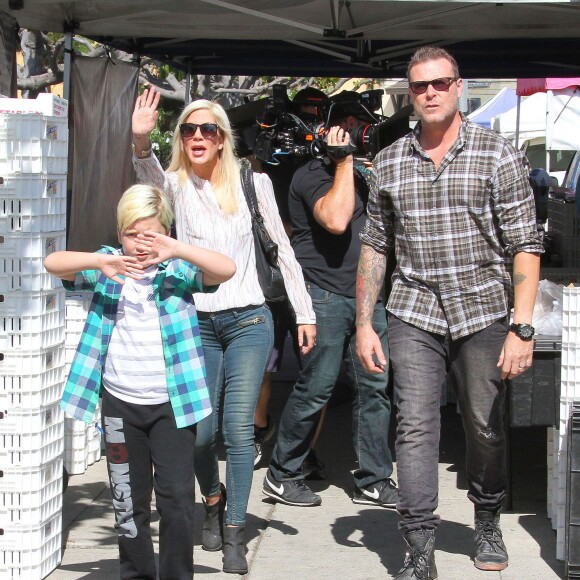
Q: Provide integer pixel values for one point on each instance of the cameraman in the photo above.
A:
(327, 208)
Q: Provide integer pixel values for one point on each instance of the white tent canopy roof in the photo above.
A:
(554, 116)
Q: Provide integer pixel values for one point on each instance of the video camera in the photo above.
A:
(290, 131)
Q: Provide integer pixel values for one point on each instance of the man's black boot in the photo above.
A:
(420, 558)
(490, 551)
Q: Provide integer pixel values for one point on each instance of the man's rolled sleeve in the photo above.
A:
(378, 229)
(515, 206)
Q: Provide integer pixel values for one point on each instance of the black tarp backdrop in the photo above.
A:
(8, 42)
(103, 96)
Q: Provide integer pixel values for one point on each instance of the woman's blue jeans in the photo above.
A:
(421, 361)
(237, 345)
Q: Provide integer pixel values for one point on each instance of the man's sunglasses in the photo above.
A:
(442, 84)
(188, 130)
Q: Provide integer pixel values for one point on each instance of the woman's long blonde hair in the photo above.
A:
(228, 176)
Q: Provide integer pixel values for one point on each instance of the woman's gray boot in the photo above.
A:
(235, 550)
(213, 524)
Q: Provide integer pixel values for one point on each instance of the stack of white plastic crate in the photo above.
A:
(33, 166)
(82, 441)
(570, 393)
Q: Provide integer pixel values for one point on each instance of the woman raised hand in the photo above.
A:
(144, 120)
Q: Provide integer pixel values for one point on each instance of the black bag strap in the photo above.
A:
(247, 176)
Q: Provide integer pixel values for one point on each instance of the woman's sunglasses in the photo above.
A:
(188, 130)
(442, 84)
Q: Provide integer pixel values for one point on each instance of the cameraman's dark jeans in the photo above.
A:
(421, 361)
(335, 341)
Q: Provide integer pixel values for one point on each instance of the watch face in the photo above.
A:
(524, 331)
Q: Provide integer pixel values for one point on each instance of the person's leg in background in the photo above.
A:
(370, 423)
(264, 426)
(320, 369)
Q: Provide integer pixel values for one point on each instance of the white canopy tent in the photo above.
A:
(554, 116)
(501, 102)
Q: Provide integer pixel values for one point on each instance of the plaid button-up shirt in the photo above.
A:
(454, 229)
(173, 286)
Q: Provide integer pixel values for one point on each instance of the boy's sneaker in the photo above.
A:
(261, 435)
(313, 468)
(382, 493)
(291, 492)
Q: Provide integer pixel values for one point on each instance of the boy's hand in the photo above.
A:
(158, 246)
(114, 266)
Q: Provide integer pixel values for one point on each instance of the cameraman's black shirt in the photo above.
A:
(328, 260)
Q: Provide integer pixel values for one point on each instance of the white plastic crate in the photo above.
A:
(26, 275)
(33, 128)
(93, 445)
(76, 461)
(76, 311)
(32, 507)
(570, 376)
(44, 156)
(30, 449)
(31, 564)
(22, 304)
(39, 245)
(571, 316)
(29, 332)
(75, 426)
(20, 362)
(31, 391)
(20, 421)
(26, 479)
(31, 547)
(75, 440)
(31, 187)
(33, 215)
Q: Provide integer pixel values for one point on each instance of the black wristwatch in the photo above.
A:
(524, 331)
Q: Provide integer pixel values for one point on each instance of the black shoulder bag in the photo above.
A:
(269, 274)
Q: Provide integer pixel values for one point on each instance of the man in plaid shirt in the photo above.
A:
(453, 201)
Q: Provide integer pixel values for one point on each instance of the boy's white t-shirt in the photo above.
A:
(135, 367)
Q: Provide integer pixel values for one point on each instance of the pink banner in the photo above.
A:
(527, 87)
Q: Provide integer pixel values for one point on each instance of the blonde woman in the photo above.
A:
(203, 182)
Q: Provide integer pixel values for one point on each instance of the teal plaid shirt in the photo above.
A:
(173, 286)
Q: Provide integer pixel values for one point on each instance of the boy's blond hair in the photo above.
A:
(228, 178)
(141, 202)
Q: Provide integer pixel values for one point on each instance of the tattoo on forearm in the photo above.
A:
(370, 276)
(519, 278)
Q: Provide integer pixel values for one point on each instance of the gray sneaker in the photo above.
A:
(291, 492)
(383, 494)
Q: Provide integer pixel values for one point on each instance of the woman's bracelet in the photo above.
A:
(143, 153)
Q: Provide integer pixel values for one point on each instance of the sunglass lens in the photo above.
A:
(419, 87)
(188, 130)
(441, 84)
(208, 129)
